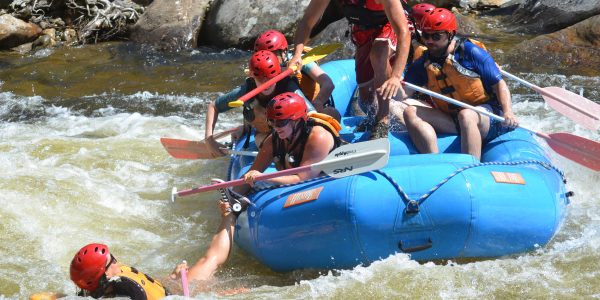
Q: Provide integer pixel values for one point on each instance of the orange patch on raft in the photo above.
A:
(507, 177)
(302, 197)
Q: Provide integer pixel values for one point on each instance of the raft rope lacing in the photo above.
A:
(412, 206)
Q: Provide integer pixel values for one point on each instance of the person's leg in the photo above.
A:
(397, 112)
(423, 123)
(364, 77)
(474, 128)
(381, 52)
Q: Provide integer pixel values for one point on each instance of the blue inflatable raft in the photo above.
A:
(432, 206)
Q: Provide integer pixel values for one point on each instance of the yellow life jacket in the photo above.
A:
(308, 86)
(314, 118)
(477, 43)
(327, 121)
(138, 285)
(418, 51)
(455, 81)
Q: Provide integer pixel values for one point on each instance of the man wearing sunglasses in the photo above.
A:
(263, 66)
(98, 273)
(298, 139)
(382, 38)
(461, 70)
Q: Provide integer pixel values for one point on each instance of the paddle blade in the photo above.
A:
(577, 108)
(319, 52)
(352, 159)
(580, 150)
(184, 149)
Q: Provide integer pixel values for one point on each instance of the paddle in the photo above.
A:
(314, 54)
(575, 148)
(344, 161)
(575, 107)
(185, 149)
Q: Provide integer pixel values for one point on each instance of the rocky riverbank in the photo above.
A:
(545, 34)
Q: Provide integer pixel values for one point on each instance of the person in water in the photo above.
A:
(316, 85)
(459, 69)
(263, 65)
(299, 138)
(378, 27)
(96, 271)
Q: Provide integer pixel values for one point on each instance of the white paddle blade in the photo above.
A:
(352, 159)
(573, 106)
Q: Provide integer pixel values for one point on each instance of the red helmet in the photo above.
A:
(271, 40)
(88, 266)
(287, 106)
(264, 64)
(440, 19)
(420, 10)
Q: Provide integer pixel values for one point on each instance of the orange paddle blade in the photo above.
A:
(184, 149)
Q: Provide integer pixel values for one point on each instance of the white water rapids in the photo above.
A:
(71, 176)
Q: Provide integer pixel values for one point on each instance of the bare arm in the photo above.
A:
(317, 147)
(504, 98)
(326, 86)
(312, 15)
(395, 14)
(219, 248)
(212, 115)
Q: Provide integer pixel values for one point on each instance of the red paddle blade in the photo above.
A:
(580, 150)
(577, 108)
(184, 149)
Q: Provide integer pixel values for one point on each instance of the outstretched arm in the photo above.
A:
(219, 248)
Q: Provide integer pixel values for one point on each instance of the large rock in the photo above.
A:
(335, 33)
(574, 50)
(236, 23)
(545, 16)
(14, 32)
(170, 24)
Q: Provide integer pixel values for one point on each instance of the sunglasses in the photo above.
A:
(434, 36)
(278, 123)
(112, 261)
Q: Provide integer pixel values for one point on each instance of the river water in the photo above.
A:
(81, 161)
